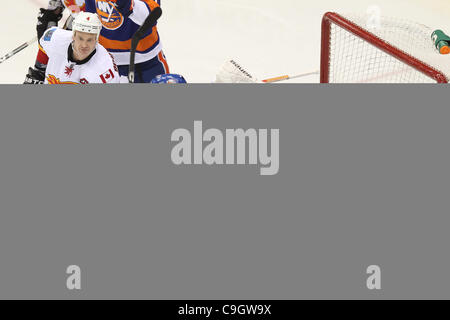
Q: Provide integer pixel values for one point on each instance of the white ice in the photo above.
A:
(269, 38)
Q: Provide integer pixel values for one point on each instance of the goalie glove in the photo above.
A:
(34, 76)
(46, 19)
(233, 72)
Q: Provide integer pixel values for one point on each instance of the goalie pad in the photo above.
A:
(233, 72)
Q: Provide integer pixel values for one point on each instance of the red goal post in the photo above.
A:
(373, 58)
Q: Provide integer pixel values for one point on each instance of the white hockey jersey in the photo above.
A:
(99, 68)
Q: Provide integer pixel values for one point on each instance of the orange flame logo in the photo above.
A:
(51, 79)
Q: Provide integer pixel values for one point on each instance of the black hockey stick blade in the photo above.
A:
(138, 35)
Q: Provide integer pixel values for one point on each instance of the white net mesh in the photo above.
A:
(354, 60)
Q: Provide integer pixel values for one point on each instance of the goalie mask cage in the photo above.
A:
(393, 51)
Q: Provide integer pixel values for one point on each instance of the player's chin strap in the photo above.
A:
(138, 35)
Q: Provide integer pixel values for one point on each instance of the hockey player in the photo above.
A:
(46, 19)
(75, 57)
(121, 19)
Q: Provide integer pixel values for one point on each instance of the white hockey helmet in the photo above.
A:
(87, 22)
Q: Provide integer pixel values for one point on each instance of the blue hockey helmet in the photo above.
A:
(168, 78)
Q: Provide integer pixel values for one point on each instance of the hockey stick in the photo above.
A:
(287, 77)
(26, 44)
(18, 49)
(138, 35)
(232, 72)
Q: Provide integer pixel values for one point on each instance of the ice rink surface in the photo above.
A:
(269, 38)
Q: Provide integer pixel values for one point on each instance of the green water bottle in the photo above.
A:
(441, 41)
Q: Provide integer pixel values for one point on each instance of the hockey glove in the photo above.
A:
(47, 19)
(34, 76)
(125, 7)
(55, 4)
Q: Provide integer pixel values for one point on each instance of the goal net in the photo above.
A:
(357, 50)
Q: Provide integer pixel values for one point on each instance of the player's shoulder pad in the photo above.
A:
(49, 34)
